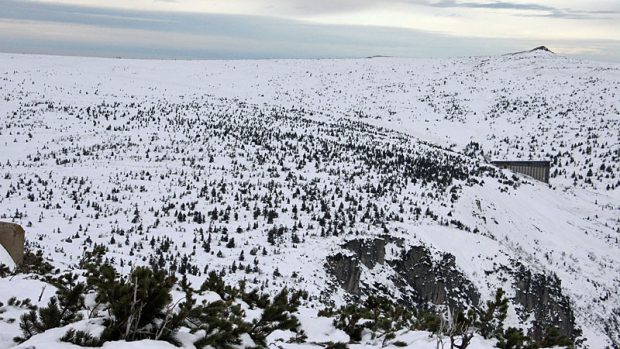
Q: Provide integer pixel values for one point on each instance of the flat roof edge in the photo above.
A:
(522, 162)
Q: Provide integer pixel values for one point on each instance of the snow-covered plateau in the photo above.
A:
(341, 178)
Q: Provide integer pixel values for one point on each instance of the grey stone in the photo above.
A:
(12, 238)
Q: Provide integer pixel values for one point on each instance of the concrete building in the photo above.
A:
(538, 170)
(12, 238)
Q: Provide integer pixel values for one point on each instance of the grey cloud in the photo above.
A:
(536, 10)
(316, 7)
(492, 5)
(247, 37)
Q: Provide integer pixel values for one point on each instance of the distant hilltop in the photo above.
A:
(378, 56)
(536, 49)
(541, 48)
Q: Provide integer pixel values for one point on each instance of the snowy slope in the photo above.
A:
(111, 151)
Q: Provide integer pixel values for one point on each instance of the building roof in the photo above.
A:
(541, 163)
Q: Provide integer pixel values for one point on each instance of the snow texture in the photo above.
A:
(138, 154)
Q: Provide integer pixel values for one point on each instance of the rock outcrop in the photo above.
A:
(541, 48)
(436, 282)
(427, 281)
(12, 238)
(369, 252)
(347, 271)
(346, 268)
(541, 295)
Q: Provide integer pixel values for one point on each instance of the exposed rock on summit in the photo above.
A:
(541, 48)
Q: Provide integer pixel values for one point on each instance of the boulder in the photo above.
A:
(6, 259)
(12, 238)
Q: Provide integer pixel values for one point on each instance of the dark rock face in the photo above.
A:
(369, 252)
(12, 238)
(612, 327)
(435, 282)
(347, 271)
(542, 296)
(426, 280)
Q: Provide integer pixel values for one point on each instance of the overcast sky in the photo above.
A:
(237, 29)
